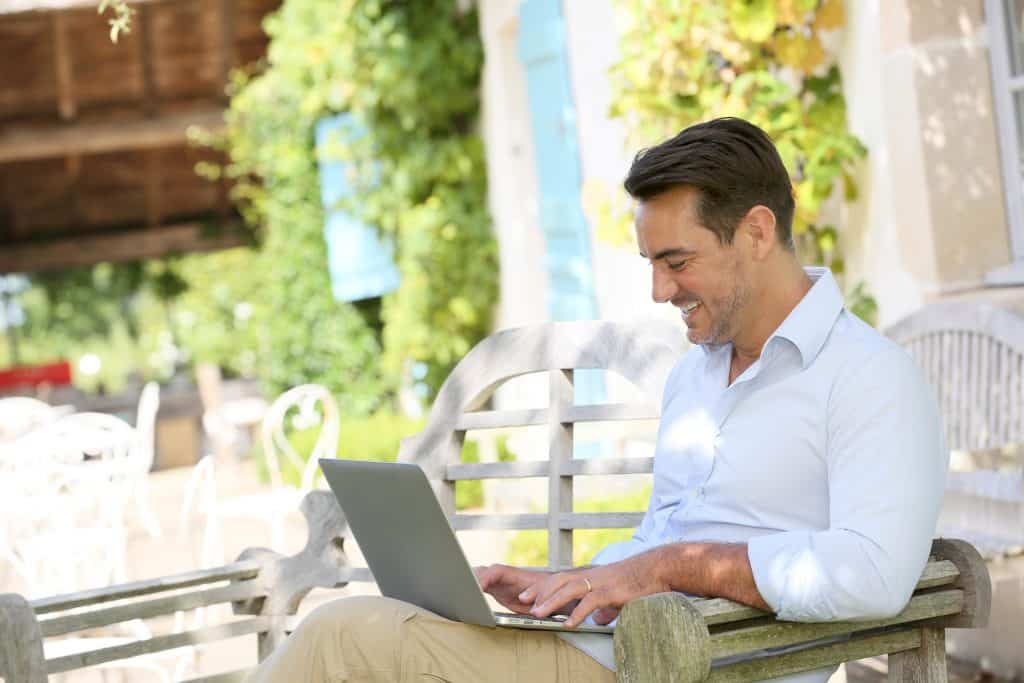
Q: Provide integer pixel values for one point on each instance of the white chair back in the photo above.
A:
(145, 423)
(19, 415)
(300, 407)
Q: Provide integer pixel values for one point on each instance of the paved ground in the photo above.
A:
(178, 550)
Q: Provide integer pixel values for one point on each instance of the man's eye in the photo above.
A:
(676, 266)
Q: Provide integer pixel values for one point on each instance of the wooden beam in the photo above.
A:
(154, 207)
(228, 35)
(147, 45)
(130, 245)
(65, 69)
(73, 167)
(44, 142)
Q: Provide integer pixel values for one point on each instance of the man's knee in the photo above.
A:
(360, 614)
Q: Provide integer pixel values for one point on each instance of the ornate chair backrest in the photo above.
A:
(973, 354)
(642, 353)
(145, 422)
(301, 407)
(21, 414)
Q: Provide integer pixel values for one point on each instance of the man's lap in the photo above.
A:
(380, 639)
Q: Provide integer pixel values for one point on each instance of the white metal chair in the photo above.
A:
(145, 427)
(301, 407)
(19, 415)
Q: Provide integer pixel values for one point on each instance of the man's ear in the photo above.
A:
(759, 226)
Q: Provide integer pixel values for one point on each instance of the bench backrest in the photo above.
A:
(973, 354)
(642, 353)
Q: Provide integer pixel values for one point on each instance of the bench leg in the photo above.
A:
(926, 664)
(21, 642)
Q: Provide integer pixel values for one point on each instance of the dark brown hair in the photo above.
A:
(733, 164)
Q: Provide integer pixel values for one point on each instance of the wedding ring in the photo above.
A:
(587, 581)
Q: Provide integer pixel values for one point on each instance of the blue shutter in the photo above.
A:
(542, 51)
(361, 263)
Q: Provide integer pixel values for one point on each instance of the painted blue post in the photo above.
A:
(571, 296)
(360, 261)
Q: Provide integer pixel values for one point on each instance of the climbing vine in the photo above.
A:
(407, 74)
(684, 61)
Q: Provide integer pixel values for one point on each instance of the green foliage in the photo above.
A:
(121, 22)
(408, 73)
(686, 61)
(530, 548)
(377, 437)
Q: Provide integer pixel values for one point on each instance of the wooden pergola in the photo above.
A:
(95, 164)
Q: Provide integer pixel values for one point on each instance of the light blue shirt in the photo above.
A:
(825, 457)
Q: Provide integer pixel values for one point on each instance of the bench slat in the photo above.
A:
(785, 633)
(816, 657)
(602, 412)
(229, 572)
(157, 644)
(566, 520)
(721, 611)
(541, 468)
(149, 608)
(227, 677)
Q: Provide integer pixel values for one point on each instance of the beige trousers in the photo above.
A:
(376, 639)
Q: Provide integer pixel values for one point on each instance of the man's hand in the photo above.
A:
(601, 590)
(506, 583)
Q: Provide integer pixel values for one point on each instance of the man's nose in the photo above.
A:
(663, 288)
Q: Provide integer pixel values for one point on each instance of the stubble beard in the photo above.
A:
(723, 324)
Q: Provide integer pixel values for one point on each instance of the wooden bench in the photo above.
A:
(664, 637)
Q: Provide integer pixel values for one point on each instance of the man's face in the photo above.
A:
(705, 280)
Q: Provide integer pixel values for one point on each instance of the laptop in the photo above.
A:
(410, 546)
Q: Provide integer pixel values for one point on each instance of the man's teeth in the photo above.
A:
(689, 307)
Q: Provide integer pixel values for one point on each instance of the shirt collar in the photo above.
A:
(809, 324)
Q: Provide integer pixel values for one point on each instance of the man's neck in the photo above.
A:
(769, 312)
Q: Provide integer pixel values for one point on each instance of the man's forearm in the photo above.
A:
(719, 570)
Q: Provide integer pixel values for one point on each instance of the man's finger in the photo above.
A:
(587, 604)
(569, 591)
(606, 615)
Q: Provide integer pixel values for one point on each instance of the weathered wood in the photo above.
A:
(153, 195)
(20, 143)
(156, 644)
(21, 647)
(79, 621)
(287, 580)
(147, 48)
(786, 633)
(602, 412)
(815, 658)
(563, 522)
(236, 571)
(644, 357)
(560, 486)
(143, 244)
(540, 468)
(661, 639)
(924, 664)
(718, 611)
(973, 580)
(227, 677)
(64, 68)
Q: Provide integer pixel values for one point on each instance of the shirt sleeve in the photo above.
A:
(886, 469)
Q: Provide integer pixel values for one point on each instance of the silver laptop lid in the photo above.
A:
(406, 538)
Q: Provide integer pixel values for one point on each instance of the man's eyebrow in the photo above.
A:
(677, 251)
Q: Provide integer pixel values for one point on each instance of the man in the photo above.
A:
(799, 464)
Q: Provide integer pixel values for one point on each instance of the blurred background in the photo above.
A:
(254, 230)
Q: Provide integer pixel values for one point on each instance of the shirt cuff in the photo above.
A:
(769, 557)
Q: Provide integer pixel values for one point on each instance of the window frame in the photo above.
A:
(1010, 134)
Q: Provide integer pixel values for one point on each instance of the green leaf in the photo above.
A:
(752, 20)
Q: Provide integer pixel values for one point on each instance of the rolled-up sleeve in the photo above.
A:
(886, 470)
